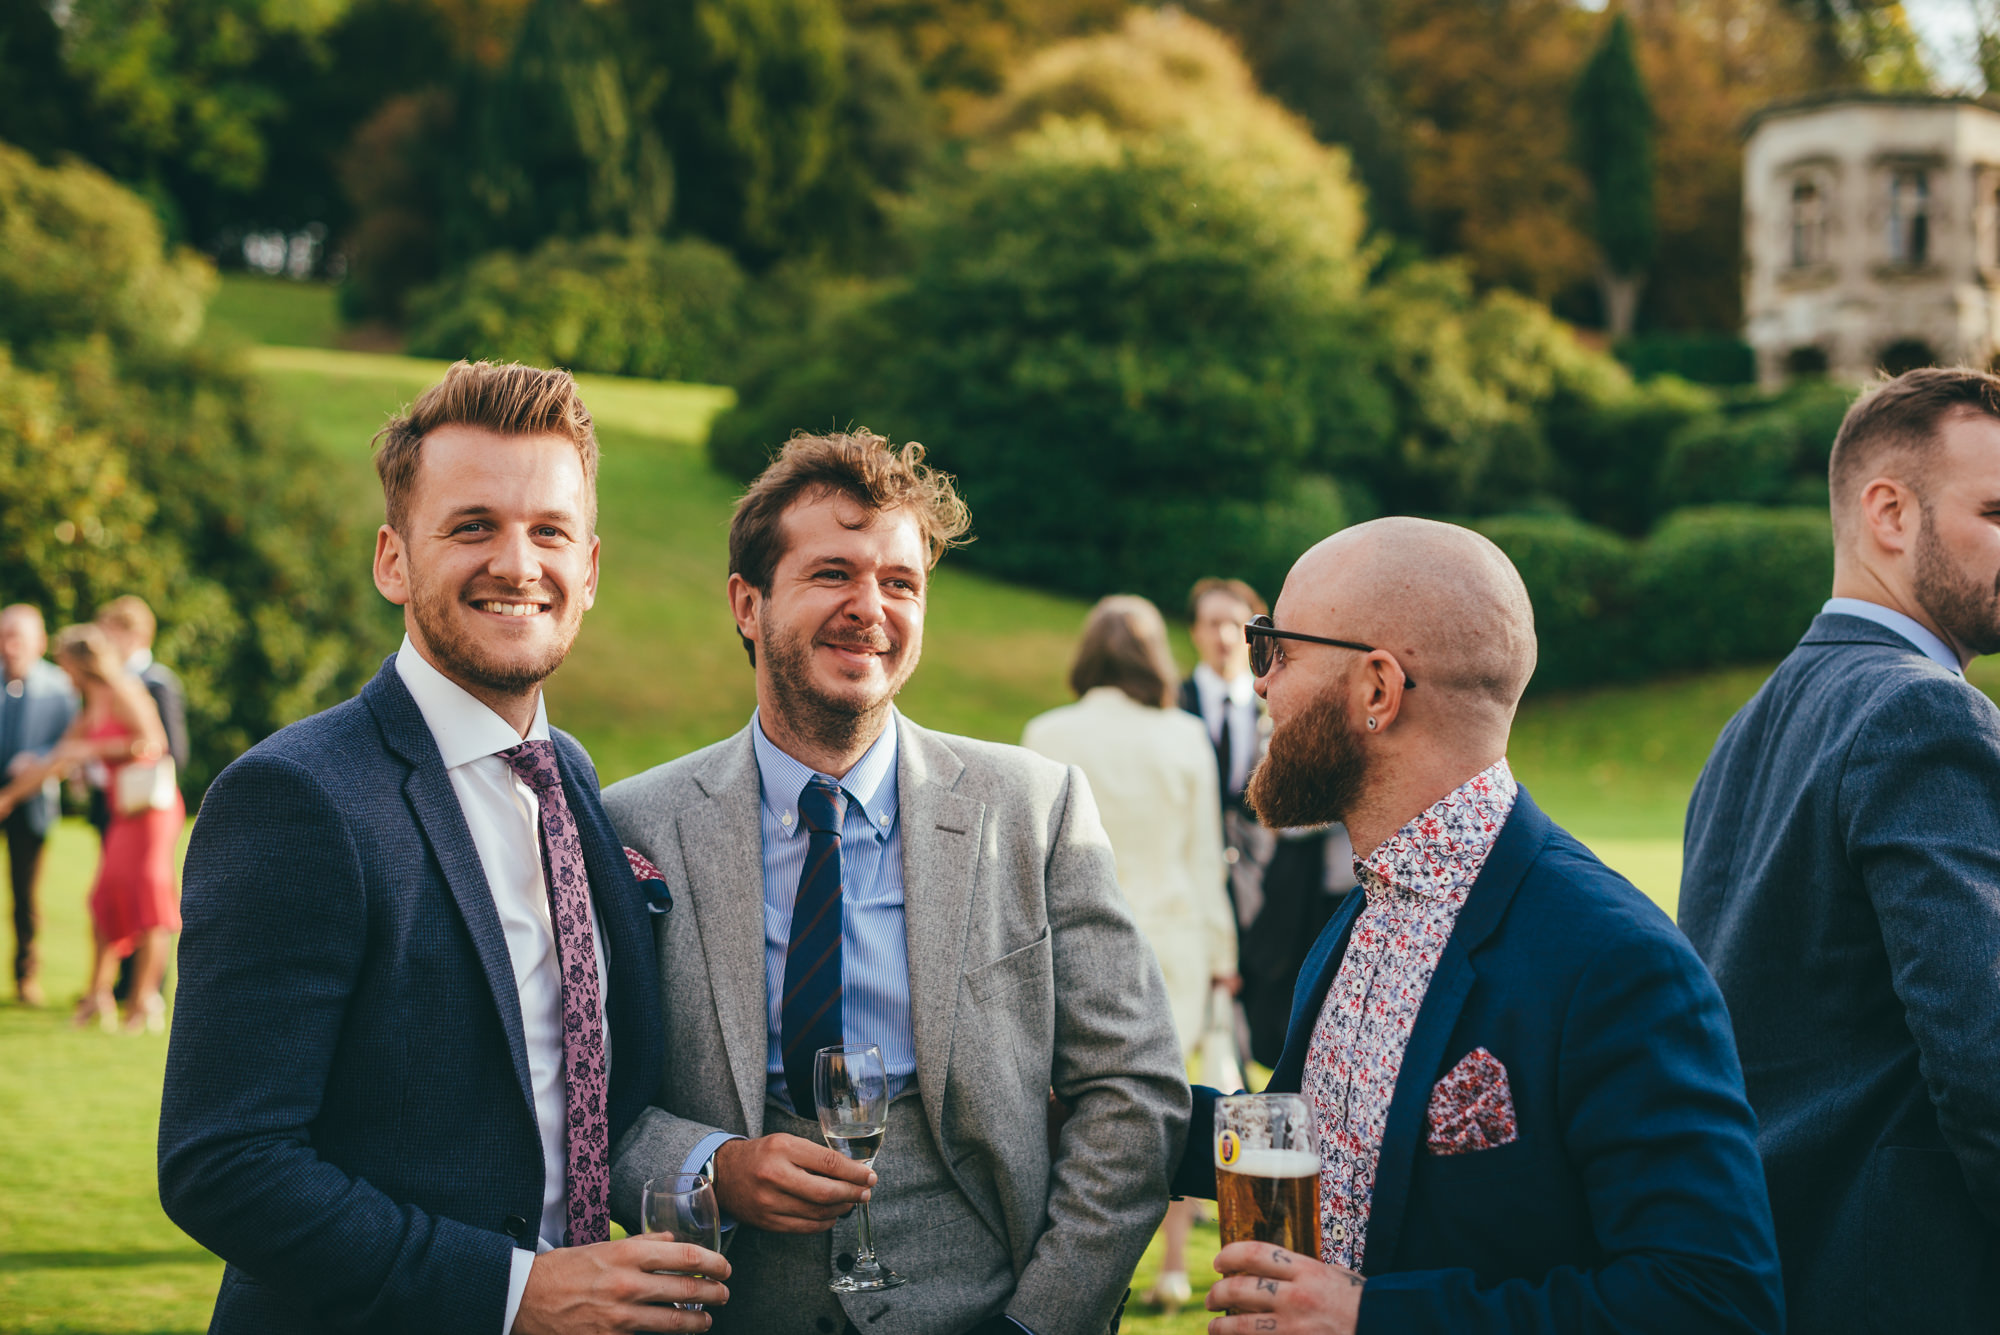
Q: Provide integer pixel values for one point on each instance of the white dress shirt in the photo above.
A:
(1238, 696)
(505, 820)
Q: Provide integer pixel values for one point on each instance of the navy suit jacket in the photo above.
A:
(347, 1118)
(1632, 1199)
(1842, 879)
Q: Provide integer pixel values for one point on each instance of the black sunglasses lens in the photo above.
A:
(1261, 646)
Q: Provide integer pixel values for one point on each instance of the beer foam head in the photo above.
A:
(1276, 1163)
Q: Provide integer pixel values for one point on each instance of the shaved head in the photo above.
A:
(1449, 640)
(1443, 599)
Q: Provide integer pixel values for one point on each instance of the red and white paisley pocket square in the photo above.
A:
(1472, 1108)
(652, 883)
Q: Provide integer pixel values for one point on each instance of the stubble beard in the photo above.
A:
(1315, 770)
(828, 722)
(1967, 611)
(432, 606)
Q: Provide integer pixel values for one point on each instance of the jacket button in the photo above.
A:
(845, 1260)
(514, 1226)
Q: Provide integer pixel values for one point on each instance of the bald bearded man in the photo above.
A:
(1525, 1094)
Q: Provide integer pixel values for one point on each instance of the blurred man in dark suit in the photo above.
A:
(1285, 884)
(36, 705)
(1842, 879)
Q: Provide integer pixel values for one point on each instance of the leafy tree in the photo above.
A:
(1613, 128)
(133, 460)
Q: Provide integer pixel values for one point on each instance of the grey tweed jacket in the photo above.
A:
(1026, 974)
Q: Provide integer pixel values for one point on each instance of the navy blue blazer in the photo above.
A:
(1632, 1199)
(348, 1119)
(1842, 879)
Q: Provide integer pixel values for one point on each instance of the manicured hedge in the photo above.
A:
(1709, 586)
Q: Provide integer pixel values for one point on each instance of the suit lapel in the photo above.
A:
(722, 847)
(1520, 842)
(435, 805)
(1309, 994)
(941, 836)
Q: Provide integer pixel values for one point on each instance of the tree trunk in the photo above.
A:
(1620, 293)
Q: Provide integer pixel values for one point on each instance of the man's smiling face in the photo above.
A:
(843, 624)
(498, 562)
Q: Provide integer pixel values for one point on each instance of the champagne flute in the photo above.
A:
(682, 1206)
(851, 1088)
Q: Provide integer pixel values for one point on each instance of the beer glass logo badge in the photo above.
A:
(1227, 1146)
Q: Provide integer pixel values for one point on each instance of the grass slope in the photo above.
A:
(83, 1244)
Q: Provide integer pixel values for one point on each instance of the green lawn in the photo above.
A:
(83, 1244)
(276, 310)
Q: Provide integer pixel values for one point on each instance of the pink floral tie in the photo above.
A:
(586, 1082)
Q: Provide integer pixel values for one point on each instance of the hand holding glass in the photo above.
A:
(851, 1089)
(682, 1206)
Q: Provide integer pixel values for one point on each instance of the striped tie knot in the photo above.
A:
(822, 805)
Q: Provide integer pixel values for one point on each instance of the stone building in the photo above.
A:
(1871, 234)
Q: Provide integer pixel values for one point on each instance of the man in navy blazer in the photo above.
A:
(417, 999)
(1525, 1098)
(1842, 879)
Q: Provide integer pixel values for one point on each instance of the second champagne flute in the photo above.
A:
(851, 1088)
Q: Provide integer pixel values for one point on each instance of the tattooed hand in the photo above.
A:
(1268, 1289)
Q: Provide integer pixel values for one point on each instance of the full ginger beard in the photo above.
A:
(465, 660)
(1314, 771)
(832, 722)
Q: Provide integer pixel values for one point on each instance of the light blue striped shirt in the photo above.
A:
(874, 948)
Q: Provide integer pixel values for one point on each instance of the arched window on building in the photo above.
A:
(1905, 354)
(1909, 216)
(1808, 223)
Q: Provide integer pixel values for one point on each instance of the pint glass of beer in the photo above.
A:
(1267, 1171)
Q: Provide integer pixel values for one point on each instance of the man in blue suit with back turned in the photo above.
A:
(1842, 879)
(1524, 1094)
(417, 1001)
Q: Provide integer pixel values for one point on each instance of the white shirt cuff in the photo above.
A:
(517, 1284)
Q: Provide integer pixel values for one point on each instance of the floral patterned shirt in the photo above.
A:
(1416, 883)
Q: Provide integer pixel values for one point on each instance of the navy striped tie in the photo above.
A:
(810, 1014)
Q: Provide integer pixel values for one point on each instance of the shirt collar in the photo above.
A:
(1239, 690)
(465, 728)
(870, 785)
(1439, 852)
(1911, 629)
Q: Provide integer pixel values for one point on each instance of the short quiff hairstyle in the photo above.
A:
(1895, 428)
(863, 467)
(510, 400)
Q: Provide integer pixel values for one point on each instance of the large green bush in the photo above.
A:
(1730, 584)
(621, 306)
(133, 460)
(1579, 579)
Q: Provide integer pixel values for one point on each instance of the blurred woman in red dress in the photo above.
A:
(135, 905)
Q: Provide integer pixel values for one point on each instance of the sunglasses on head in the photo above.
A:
(1264, 637)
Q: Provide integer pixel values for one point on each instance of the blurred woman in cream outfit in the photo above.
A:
(1152, 769)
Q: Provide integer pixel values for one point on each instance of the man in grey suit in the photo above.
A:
(974, 930)
(36, 705)
(1842, 880)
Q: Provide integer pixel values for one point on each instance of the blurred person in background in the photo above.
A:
(134, 907)
(1842, 879)
(1286, 883)
(37, 704)
(1154, 776)
(128, 623)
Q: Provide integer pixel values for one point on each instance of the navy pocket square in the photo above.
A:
(652, 884)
